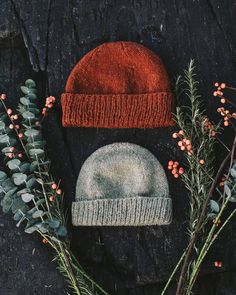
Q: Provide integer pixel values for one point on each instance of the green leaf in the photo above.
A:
(227, 190)
(25, 89)
(214, 206)
(3, 176)
(62, 231)
(19, 178)
(38, 214)
(25, 101)
(6, 204)
(23, 191)
(31, 229)
(13, 164)
(25, 167)
(17, 205)
(4, 138)
(30, 83)
(27, 197)
(233, 173)
(42, 227)
(28, 115)
(11, 192)
(31, 95)
(36, 152)
(31, 132)
(31, 182)
(54, 223)
(2, 125)
(8, 184)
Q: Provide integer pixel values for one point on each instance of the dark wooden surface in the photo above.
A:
(43, 39)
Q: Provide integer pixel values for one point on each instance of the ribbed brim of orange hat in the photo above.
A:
(117, 111)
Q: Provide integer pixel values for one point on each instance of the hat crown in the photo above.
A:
(121, 170)
(119, 68)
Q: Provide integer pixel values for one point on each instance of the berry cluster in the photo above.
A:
(175, 169)
(184, 143)
(49, 104)
(219, 87)
(218, 264)
(227, 115)
(54, 186)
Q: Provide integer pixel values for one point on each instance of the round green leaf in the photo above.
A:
(28, 115)
(13, 164)
(30, 83)
(62, 231)
(3, 176)
(2, 125)
(31, 229)
(31, 132)
(25, 89)
(37, 214)
(27, 197)
(37, 152)
(4, 138)
(25, 101)
(19, 178)
(54, 223)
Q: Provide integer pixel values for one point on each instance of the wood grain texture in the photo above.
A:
(43, 40)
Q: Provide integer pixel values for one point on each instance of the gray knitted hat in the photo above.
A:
(122, 184)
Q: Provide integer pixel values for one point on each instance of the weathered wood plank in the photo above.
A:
(57, 34)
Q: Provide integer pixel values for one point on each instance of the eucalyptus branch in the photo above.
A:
(28, 190)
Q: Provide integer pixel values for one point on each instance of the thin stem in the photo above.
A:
(173, 273)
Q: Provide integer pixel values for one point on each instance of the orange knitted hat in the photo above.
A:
(118, 85)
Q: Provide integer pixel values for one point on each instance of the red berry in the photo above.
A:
(59, 191)
(54, 186)
(52, 199)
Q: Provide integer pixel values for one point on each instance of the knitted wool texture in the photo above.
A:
(122, 184)
(118, 85)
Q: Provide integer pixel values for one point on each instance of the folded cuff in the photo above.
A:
(117, 111)
(136, 211)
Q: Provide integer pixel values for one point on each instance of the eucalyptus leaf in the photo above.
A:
(3, 176)
(31, 229)
(13, 164)
(42, 227)
(227, 190)
(25, 167)
(31, 95)
(4, 138)
(2, 125)
(28, 115)
(54, 223)
(31, 182)
(17, 204)
(214, 206)
(8, 184)
(38, 214)
(19, 178)
(62, 231)
(25, 89)
(11, 192)
(30, 83)
(6, 204)
(27, 197)
(31, 132)
(233, 173)
(23, 191)
(25, 101)
(36, 152)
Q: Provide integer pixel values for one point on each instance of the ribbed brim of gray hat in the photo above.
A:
(135, 211)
